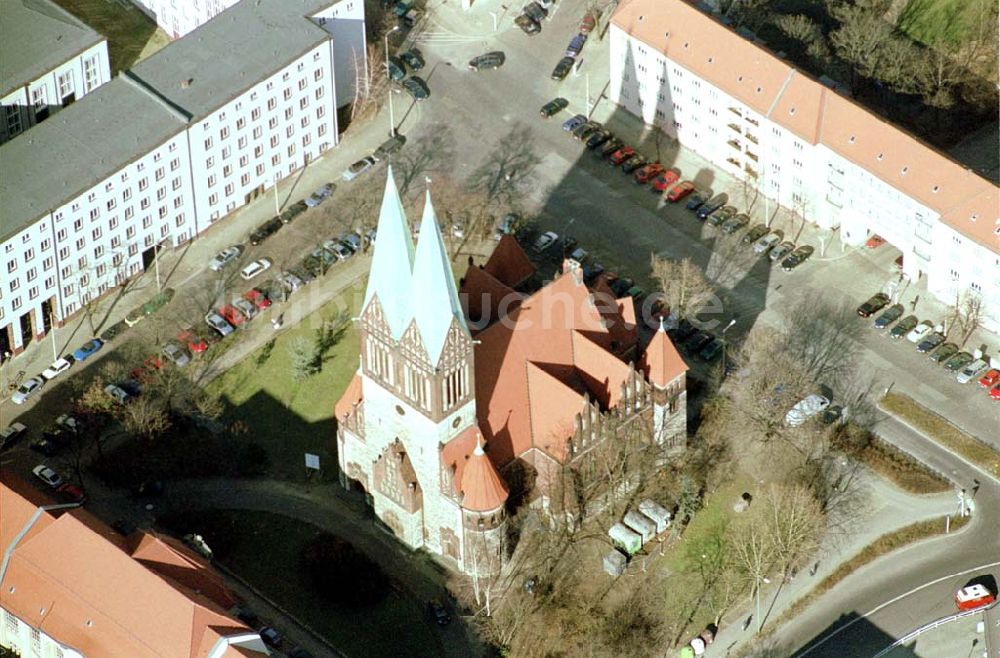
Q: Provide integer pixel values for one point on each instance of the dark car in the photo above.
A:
(389, 147)
(562, 68)
(698, 341)
(45, 446)
(929, 343)
(904, 326)
(554, 107)
(439, 613)
(537, 12)
(736, 223)
(633, 163)
(265, 230)
(413, 58)
(958, 361)
(305, 276)
(576, 45)
(697, 199)
(112, 331)
(417, 87)
(609, 147)
(713, 204)
(875, 303)
(491, 60)
(888, 316)
(683, 331)
(756, 232)
(293, 211)
(585, 130)
(397, 69)
(944, 352)
(711, 351)
(720, 216)
(797, 257)
(599, 137)
(527, 24)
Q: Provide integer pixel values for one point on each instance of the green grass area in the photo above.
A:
(130, 32)
(286, 417)
(941, 21)
(940, 430)
(266, 551)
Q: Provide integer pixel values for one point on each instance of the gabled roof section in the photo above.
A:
(483, 296)
(483, 489)
(433, 296)
(392, 260)
(508, 263)
(553, 406)
(661, 362)
(603, 376)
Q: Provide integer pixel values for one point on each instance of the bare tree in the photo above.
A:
(966, 315)
(144, 416)
(424, 155)
(508, 169)
(794, 523)
(370, 81)
(684, 286)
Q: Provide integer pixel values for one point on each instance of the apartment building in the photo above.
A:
(48, 60)
(805, 146)
(178, 17)
(158, 155)
(73, 588)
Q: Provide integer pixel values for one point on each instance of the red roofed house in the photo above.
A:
(436, 425)
(70, 587)
(806, 146)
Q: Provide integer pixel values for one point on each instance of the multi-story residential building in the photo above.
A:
(74, 588)
(48, 60)
(461, 398)
(178, 17)
(153, 158)
(808, 148)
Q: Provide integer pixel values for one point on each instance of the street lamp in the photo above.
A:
(392, 118)
(723, 337)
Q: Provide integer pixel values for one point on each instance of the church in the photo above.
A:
(465, 396)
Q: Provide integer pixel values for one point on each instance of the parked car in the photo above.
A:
(888, 316)
(598, 138)
(439, 613)
(255, 268)
(414, 59)
(396, 68)
(697, 200)
(920, 332)
(545, 240)
(797, 257)
(587, 24)
(679, 191)
(58, 367)
(488, 61)
(958, 361)
(358, 168)
(320, 195)
(290, 281)
(195, 343)
(633, 163)
(767, 242)
(562, 68)
(711, 351)
(71, 493)
(647, 172)
(258, 298)
(735, 224)
(224, 257)
(609, 147)
(585, 130)
(995, 393)
(943, 353)
(720, 216)
(265, 230)
(292, 211)
(216, 321)
(47, 475)
(113, 331)
(28, 388)
(875, 241)
(537, 12)
(555, 106)
(337, 250)
(710, 206)
(571, 124)
(779, 252)
(232, 315)
(527, 24)
(756, 232)
(176, 354)
(621, 155)
(666, 178)
(271, 637)
(990, 378)
(389, 147)
(117, 393)
(974, 370)
(806, 409)
(11, 433)
(930, 342)
(904, 326)
(49, 444)
(88, 349)
(417, 87)
(576, 45)
(698, 341)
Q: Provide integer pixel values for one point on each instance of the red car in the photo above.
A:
(621, 155)
(995, 392)
(648, 172)
(587, 24)
(680, 191)
(144, 372)
(666, 179)
(71, 493)
(257, 297)
(232, 315)
(991, 378)
(973, 596)
(875, 241)
(195, 343)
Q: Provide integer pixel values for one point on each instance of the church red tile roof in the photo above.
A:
(508, 263)
(482, 487)
(661, 362)
(349, 398)
(484, 297)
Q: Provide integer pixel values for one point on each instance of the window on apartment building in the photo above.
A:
(12, 266)
(179, 220)
(46, 243)
(320, 92)
(208, 143)
(240, 123)
(66, 87)
(226, 152)
(229, 189)
(244, 160)
(143, 184)
(110, 185)
(96, 233)
(213, 199)
(39, 102)
(130, 230)
(164, 230)
(91, 73)
(92, 197)
(81, 264)
(112, 203)
(222, 116)
(270, 85)
(306, 140)
(242, 143)
(211, 180)
(289, 131)
(273, 123)
(98, 251)
(288, 114)
(257, 132)
(176, 184)
(288, 94)
(322, 129)
(127, 194)
(147, 221)
(172, 147)
(301, 67)
(302, 84)
(318, 73)
(157, 157)
(160, 173)
(133, 249)
(272, 103)
(224, 133)
(255, 114)
(144, 203)
(94, 213)
(161, 194)
(260, 170)
(117, 259)
(14, 285)
(320, 112)
(178, 202)
(258, 151)
(116, 242)
(245, 179)
(291, 150)
(129, 212)
(13, 117)
(29, 254)
(163, 212)
(209, 162)
(303, 102)
(275, 159)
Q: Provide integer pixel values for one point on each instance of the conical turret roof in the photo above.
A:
(661, 362)
(392, 261)
(482, 487)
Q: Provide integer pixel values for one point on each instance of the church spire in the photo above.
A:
(392, 261)
(433, 296)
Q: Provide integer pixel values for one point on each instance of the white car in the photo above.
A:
(58, 367)
(257, 267)
(358, 168)
(117, 393)
(47, 475)
(217, 322)
(546, 240)
(30, 386)
(341, 251)
(806, 409)
(920, 332)
(767, 242)
(974, 370)
(224, 257)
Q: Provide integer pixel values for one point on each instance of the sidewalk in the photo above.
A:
(891, 509)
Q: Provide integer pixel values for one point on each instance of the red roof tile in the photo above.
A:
(661, 362)
(350, 397)
(508, 263)
(482, 488)
(484, 297)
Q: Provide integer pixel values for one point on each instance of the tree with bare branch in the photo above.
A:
(684, 287)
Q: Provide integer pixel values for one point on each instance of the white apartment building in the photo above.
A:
(153, 158)
(806, 147)
(178, 17)
(48, 60)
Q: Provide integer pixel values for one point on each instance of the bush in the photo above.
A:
(343, 574)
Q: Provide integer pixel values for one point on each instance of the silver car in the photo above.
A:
(27, 389)
(246, 307)
(769, 241)
(217, 322)
(781, 251)
(224, 257)
(290, 281)
(176, 355)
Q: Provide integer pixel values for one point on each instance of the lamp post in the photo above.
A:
(392, 116)
(723, 337)
(52, 330)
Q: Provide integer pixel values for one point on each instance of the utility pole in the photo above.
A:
(52, 330)
(392, 116)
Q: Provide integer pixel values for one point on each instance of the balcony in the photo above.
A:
(736, 111)
(752, 138)
(751, 172)
(753, 122)
(735, 144)
(734, 162)
(734, 127)
(752, 156)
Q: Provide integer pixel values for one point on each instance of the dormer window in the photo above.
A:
(904, 170)
(936, 189)
(711, 59)
(850, 140)
(973, 218)
(791, 110)
(879, 157)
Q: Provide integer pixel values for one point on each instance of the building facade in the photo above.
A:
(178, 17)
(459, 395)
(48, 60)
(167, 149)
(803, 145)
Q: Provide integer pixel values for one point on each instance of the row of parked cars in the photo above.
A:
(930, 339)
(401, 69)
(531, 16)
(573, 49)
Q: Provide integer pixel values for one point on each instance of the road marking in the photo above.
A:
(877, 608)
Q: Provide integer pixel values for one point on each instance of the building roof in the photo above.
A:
(508, 263)
(78, 147)
(483, 297)
(351, 396)
(483, 489)
(56, 578)
(224, 57)
(661, 361)
(815, 113)
(392, 260)
(37, 36)
(433, 298)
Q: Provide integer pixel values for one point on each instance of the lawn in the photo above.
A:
(266, 551)
(130, 32)
(933, 21)
(287, 417)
